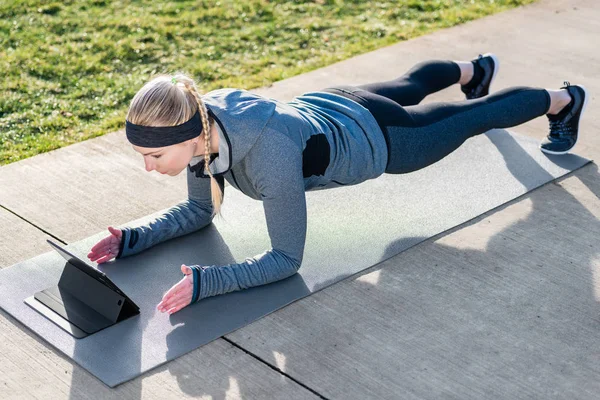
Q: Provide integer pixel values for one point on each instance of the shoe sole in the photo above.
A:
(578, 123)
(496, 68)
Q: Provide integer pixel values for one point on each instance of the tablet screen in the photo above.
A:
(84, 267)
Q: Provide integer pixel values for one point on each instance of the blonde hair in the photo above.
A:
(160, 102)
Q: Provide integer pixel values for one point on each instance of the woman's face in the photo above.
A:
(170, 160)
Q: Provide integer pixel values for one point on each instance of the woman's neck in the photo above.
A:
(214, 142)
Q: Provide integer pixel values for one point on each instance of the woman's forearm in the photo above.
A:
(270, 266)
(183, 218)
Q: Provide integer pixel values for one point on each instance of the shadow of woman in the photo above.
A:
(513, 303)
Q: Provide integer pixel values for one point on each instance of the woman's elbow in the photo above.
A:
(293, 261)
(296, 262)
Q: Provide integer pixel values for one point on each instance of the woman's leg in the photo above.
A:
(421, 80)
(418, 136)
(474, 77)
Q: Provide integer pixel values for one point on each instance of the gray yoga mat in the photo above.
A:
(349, 229)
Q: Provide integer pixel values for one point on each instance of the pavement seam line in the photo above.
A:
(34, 225)
(274, 367)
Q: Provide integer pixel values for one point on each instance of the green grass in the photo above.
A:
(70, 68)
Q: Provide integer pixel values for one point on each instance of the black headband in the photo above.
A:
(161, 136)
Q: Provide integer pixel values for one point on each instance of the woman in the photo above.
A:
(274, 151)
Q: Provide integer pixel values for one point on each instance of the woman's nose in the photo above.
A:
(149, 165)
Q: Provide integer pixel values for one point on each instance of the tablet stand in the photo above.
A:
(81, 304)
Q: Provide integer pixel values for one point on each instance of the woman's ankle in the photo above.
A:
(466, 71)
(559, 99)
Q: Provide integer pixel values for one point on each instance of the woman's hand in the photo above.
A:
(179, 295)
(107, 248)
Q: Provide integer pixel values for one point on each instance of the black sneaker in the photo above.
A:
(564, 126)
(480, 86)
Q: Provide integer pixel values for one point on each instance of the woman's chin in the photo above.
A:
(175, 172)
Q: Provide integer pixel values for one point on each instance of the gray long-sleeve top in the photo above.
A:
(271, 151)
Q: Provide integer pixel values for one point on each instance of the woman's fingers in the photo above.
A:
(180, 293)
(95, 251)
(169, 301)
(171, 293)
(178, 302)
(179, 305)
(94, 255)
(102, 246)
(107, 257)
(98, 245)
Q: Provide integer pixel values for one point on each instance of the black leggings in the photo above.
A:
(420, 135)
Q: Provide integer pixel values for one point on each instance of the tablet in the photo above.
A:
(86, 268)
